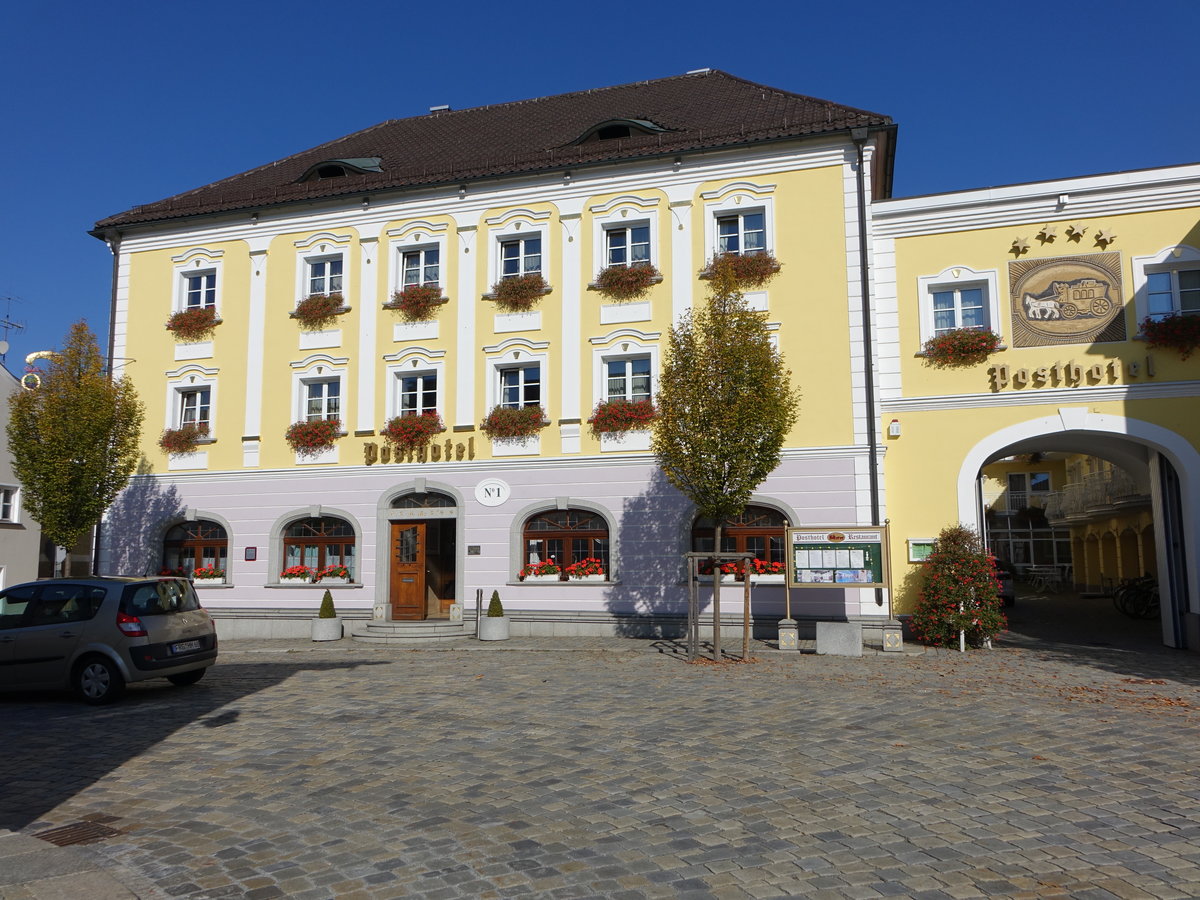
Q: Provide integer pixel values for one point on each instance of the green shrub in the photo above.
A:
(327, 610)
(495, 609)
(961, 592)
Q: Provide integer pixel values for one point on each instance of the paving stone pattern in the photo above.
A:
(355, 771)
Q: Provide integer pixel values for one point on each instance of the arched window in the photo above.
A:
(566, 536)
(317, 543)
(757, 530)
(190, 545)
(415, 500)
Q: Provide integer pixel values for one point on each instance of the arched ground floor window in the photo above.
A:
(193, 545)
(319, 542)
(757, 530)
(566, 536)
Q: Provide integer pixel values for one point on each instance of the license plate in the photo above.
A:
(185, 646)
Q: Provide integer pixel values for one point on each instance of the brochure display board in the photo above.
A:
(855, 556)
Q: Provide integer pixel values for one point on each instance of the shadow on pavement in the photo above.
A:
(1090, 631)
(38, 772)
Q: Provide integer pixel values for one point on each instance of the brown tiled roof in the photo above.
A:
(698, 111)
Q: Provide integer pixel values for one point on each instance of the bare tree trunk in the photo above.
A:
(716, 595)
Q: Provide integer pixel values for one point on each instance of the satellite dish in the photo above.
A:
(3, 347)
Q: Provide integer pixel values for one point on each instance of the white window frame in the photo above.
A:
(14, 504)
(1169, 259)
(956, 278)
(324, 369)
(184, 394)
(193, 263)
(740, 198)
(421, 365)
(322, 248)
(519, 225)
(514, 353)
(416, 236)
(624, 212)
(183, 381)
(625, 344)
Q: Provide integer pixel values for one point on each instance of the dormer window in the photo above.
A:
(331, 171)
(339, 168)
(608, 132)
(615, 129)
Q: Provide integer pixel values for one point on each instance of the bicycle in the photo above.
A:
(1137, 597)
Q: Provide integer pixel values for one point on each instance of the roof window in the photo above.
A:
(339, 168)
(614, 129)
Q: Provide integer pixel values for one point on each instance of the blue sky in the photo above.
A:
(112, 105)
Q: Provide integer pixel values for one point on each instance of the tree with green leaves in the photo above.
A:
(726, 403)
(74, 439)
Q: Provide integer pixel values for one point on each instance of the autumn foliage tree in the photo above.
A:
(74, 439)
(726, 403)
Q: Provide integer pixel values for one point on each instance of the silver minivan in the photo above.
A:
(95, 635)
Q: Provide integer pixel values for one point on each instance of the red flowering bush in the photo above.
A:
(961, 592)
(588, 566)
(627, 282)
(766, 567)
(507, 423)
(545, 567)
(1177, 332)
(732, 567)
(417, 301)
(296, 573)
(412, 432)
(310, 437)
(207, 573)
(960, 347)
(183, 439)
(621, 415)
(333, 572)
(519, 293)
(193, 324)
(739, 271)
(316, 311)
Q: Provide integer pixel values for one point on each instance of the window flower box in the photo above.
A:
(509, 423)
(417, 302)
(738, 271)
(960, 347)
(333, 575)
(313, 436)
(296, 575)
(206, 575)
(768, 579)
(626, 282)
(412, 432)
(587, 569)
(621, 415)
(193, 324)
(316, 311)
(544, 570)
(519, 293)
(177, 441)
(1179, 332)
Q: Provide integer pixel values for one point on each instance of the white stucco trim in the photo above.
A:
(958, 277)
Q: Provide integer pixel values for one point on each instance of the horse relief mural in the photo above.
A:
(1067, 300)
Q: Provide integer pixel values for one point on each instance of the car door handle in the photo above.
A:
(6, 638)
(68, 634)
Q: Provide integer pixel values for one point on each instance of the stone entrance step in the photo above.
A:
(397, 632)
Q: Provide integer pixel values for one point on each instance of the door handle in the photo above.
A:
(67, 634)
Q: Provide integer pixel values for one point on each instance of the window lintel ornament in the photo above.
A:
(423, 355)
(334, 168)
(747, 188)
(325, 237)
(197, 253)
(320, 359)
(639, 204)
(629, 334)
(611, 129)
(419, 226)
(523, 214)
(515, 343)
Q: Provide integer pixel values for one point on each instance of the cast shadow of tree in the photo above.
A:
(134, 524)
(650, 598)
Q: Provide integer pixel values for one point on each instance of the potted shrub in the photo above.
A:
(519, 293)
(621, 415)
(961, 593)
(410, 432)
(543, 570)
(193, 324)
(327, 626)
(312, 436)
(589, 569)
(494, 625)
(1175, 332)
(184, 439)
(209, 575)
(627, 282)
(294, 574)
(417, 302)
(960, 347)
(334, 575)
(316, 311)
(738, 271)
(510, 423)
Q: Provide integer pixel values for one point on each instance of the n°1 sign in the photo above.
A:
(853, 556)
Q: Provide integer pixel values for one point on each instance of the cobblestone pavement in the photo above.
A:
(314, 771)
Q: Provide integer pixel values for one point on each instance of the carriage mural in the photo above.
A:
(1066, 299)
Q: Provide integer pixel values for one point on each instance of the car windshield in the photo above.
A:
(159, 598)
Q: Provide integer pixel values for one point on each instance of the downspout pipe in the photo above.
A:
(859, 136)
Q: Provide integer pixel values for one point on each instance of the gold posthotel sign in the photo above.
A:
(1071, 374)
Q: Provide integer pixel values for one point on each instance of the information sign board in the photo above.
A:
(851, 556)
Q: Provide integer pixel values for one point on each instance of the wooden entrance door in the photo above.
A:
(408, 570)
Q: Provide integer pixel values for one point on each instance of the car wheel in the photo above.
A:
(98, 681)
(183, 679)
